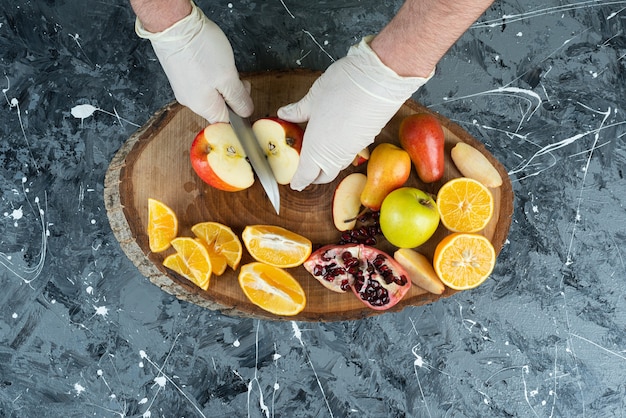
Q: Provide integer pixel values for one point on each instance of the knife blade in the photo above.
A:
(255, 155)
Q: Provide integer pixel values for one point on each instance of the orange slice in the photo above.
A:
(162, 225)
(272, 289)
(176, 263)
(463, 261)
(222, 244)
(465, 205)
(276, 246)
(196, 257)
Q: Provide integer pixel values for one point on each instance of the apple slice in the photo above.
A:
(361, 157)
(420, 270)
(473, 164)
(219, 160)
(347, 201)
(281, 141)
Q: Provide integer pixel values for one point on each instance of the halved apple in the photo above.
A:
(281, 141)
(219, 160)
(347, 201)
(361, 157)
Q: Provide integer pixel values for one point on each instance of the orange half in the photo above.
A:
(272, 289)
(464, 261)
(465, 205)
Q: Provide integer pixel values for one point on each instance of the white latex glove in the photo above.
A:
(199, 63)
(346, 108)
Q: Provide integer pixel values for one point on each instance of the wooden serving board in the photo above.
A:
(154, 163)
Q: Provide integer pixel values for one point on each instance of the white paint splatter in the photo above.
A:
(101, 310)
(17, 213)
(160, 380)
(298, 334)
(83, 111)
(78, 388)
(318, 44)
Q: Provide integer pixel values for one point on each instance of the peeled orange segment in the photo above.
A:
(465, 205)
(162, 225)
(272, 289)
(222, 243)
(176, 263)
(276, 246)
(463, 261)
(196, 257)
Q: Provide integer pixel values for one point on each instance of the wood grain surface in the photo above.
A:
(154, 163)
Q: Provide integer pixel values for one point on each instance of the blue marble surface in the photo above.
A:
(82, 333)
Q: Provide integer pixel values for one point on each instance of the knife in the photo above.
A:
(255, 155)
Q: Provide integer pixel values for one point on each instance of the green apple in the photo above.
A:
(408, 217)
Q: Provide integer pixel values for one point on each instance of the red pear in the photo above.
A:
(422, 136)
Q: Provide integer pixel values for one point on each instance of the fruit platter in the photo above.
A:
(155, 167)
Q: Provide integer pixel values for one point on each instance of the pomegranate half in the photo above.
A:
(374, 277)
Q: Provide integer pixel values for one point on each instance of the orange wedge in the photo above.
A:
(196, 257)
(176, 263)
(463, 261)
(276, 246)
(465, 205)
(222, 244)
(272, 289)
(162, 225)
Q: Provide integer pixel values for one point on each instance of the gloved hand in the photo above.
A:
(346, 108)
(199, 63)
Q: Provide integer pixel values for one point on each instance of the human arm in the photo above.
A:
(347, 107)
(422, 32)
(158, 15)
(195, 55)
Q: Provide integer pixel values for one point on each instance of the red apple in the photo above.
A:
(347, 201)
(219, 160)
(361, 157)
(421, 135)
(281, 141)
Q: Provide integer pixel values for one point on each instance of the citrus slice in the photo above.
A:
(196, 257)
(463, 261)
(176, 263)
(223, 245)
(162, 225)
(272, 289)
(465, 205)
(276, 246)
